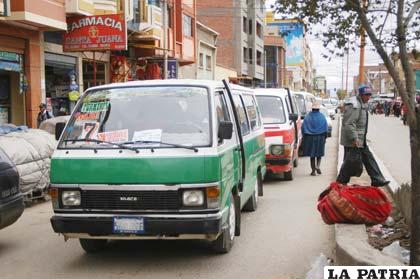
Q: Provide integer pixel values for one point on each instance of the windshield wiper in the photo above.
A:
(161, 142)
(121, 145)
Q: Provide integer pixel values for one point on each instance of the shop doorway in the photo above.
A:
(88, 77)
(12, 106)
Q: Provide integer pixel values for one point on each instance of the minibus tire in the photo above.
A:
(92, 246)
(223, 244)
(260, 184)
(289, 175)
(237, 200)
(252, 203)
(296, 162)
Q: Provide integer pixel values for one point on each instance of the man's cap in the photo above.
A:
(365, 90)
(42, 105)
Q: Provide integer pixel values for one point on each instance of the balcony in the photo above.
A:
(39, 15)
(80, 7)
(149, 26)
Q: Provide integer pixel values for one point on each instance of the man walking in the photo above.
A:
(353, 138)
(43, 114)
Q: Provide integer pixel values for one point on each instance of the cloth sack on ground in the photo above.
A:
(30, 152)
(353, 204)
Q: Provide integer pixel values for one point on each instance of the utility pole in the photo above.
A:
(362, 50)
(347, 66)
(265, 68)
(165, 39)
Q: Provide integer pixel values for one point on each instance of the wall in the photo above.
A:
(222, 72)
(18, 109)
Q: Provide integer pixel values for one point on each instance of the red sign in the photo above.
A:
(102, 32)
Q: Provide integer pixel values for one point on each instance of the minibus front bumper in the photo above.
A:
(155, 226)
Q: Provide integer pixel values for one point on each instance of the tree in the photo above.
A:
(343, 18)
(341, 94)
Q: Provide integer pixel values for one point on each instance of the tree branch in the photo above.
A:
(413, 10)
(386, 17)
(408, 71)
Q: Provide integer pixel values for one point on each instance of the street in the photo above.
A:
(389, 139)
(280, 240)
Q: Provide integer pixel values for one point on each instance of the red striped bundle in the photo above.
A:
(353, 204)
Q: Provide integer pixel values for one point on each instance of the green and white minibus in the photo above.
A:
(165, 159)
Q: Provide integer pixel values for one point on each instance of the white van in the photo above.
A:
(304, 102)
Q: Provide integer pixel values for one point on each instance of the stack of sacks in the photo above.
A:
(31, 152)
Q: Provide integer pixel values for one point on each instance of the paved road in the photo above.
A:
(389, 139)
(279, 240)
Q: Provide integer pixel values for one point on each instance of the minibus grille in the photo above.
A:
(131, 200)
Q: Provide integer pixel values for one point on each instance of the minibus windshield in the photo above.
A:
(157, 116)
(272, 109)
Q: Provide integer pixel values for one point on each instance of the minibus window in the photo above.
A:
(272, 109)
(221, 108)
(242, 114)
(300, 100)
(251, 111)
(176, 115)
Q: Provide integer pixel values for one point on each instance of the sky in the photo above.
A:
(332, 70)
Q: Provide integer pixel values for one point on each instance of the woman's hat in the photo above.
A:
(316, 105)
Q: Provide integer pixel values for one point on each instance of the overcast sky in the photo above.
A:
(332, 70)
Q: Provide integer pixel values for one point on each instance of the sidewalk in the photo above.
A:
(352, 247)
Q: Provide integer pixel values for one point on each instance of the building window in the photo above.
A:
(208, 62)
(157, 3)
(259, 30)
(187, 25)
(250, 26)
(250, 56)
(55, 37)
(245, 22)
(259, 58)
(4, 7)
(244, 54)
(201, 61)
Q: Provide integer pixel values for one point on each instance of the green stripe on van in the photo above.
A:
(135, 170)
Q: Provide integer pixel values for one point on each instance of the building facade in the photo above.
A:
(299, 61)
(240, 24)
(205, 67)
(275, 61)
(378, 78)
(22, 75)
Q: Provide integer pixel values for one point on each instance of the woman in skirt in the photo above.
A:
(314, 129)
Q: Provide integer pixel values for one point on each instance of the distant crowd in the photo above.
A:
(391, 107)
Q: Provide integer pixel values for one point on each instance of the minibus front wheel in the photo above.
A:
(225, 241)
(92, 246)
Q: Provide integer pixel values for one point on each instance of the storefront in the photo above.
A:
(88, 73)
(60, 79)
(12, 101)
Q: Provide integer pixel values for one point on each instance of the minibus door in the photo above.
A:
(239, 151)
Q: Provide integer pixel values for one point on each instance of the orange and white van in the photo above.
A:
(281, 119)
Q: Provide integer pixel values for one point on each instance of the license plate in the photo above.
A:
(133, 225)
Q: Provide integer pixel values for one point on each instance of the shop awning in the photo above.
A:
(9, 66)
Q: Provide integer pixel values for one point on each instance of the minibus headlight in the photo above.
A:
(281, 150)
(276, 150)
(193, 198)
(213, 197)
(71, 198)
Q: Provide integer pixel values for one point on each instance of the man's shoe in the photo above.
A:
(380, 184)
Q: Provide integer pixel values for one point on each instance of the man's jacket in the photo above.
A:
(355, 120)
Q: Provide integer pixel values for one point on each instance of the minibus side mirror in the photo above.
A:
(59, 128)
(225, 130)
(293, 116)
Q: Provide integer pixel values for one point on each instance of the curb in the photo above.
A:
(351, 240)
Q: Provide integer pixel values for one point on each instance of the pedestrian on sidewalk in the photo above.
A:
(353, 138)
(43, 114)
(314, 130)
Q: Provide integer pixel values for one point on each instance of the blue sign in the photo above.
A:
(172, 69)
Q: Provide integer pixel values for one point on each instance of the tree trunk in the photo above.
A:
(415, 192)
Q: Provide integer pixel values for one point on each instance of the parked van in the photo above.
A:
(304, 102)
(11, 200)
(163, 159)
(282, 130)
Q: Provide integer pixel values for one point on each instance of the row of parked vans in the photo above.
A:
(173, 159)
